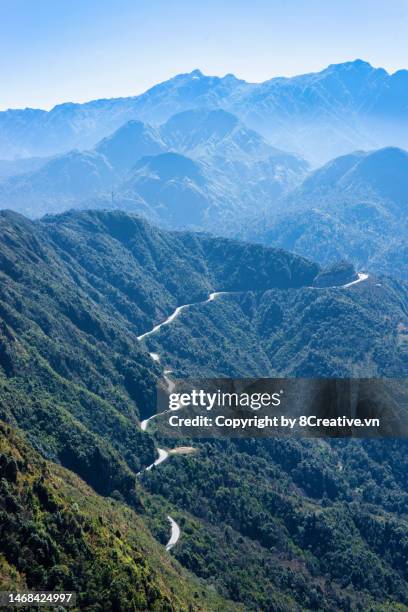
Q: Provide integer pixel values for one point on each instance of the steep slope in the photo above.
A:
(325, 522)
(293, 525)
(325, 114)
(177, 192)
(73, 179)
(129, 143)
(320, 511)
(251, 169)
(76, 292)
(58, 535)
(380, 175)
(78, 289)
(354, 208)
(320, 115)
(204, 132)
(305, 331)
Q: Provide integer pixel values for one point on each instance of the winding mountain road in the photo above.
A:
(175, 529)
(163, 454)
(174, 315)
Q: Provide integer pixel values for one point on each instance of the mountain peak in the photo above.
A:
(196, 73)
(195, 128)
(127, 144)
(358, 65)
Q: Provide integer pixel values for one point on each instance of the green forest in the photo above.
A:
(266, 525)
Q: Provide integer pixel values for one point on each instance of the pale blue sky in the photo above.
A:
(76, 50)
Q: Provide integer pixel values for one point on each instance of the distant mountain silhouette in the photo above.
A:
(320, 115)
(216, 132)
(201, 169)
(354, 207)
(130, 142)
(61, 183)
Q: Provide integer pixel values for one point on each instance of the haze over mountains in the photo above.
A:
(206, 170)
(319, 115)
(354, 207)
(201, 169)
(325, 526)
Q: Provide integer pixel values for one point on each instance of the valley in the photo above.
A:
(209, 227)
(206, 170)
(78, 375)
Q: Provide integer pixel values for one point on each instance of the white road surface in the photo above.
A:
(175, 533)
(144, 424)
(163, 455)
(174, 315)
(175, 529)
(361, 277)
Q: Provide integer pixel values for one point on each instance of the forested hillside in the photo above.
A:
(311, 332)
(76, 292)
(269, 524)
(58, 535)
(323, 522)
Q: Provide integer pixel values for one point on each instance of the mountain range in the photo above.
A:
(206, 228)
(201, 169)
(324, 527)
(352, 208)
(205, 170)
(319, 116)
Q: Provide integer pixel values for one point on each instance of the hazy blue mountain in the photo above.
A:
(201, 169)
(354, 207)
(76, 178)
(222, 173)
(202, 132)
(320, 115)
(187, 91)
(63, 182)
(129, 143)
(342, 108)
(219, 138)
(178, 191)
(27, 132)
(379, 177)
